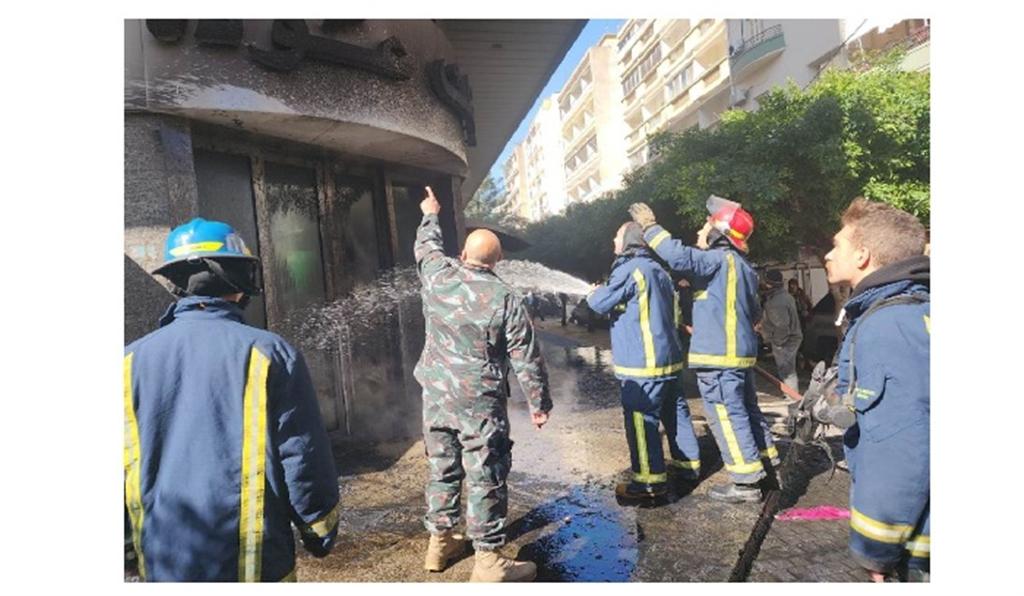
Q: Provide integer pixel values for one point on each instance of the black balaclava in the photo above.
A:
(220, 277)
(633, 237)
(716, 238)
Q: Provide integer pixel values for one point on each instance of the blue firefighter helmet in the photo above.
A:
(203, 241)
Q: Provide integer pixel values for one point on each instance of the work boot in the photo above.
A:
(640, 490)
(441, 549)
(736, 493)
(680, 473)
(491, 566)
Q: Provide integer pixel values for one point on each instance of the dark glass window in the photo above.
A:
(224, 183)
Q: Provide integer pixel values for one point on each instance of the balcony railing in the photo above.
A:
(756, 47)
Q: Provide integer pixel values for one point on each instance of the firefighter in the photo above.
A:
(648, 360)
(224, 445)
(724, 344)
(883, 378)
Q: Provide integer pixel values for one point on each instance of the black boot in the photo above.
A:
(736, 493)
(633, 491)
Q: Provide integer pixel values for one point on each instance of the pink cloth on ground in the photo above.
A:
(819, 513)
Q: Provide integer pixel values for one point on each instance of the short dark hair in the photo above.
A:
(890, 234)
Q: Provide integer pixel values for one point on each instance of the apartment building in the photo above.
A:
(766, 53)
(675, 75)
(593, 129)
(515, 182)
(913, 35)
(671, 75)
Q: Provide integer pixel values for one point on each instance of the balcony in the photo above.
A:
(757, 48)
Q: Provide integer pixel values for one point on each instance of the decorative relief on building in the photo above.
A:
(452, 88)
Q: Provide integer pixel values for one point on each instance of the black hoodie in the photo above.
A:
(915, 269)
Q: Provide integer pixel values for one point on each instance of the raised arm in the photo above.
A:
(429, 248)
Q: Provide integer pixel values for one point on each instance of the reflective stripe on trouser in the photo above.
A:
(889, 495)
(643, 405)
(480, 452)
(736, 421)
(919, 545)
(684, 452)
(881, 542)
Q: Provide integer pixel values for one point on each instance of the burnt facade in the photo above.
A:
(314, 139)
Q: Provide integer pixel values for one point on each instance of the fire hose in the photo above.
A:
(786, 389)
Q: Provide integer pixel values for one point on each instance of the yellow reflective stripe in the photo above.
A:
(323, 526)
(928, 324)
(658, 238)
(877, 530)
(185, 249)
(290, 577)
(920, 546)
(770, 452)
(750, 468)
(739, 465)
(700, 295)
(254, 445)
(730, 361)
(677, 313)
(730, 308)
(651, 371)
(641, 445)
(651, 478)
(133, 466)
(686, 464)
(645, 318)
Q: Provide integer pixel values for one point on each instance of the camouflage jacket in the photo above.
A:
(476, 325)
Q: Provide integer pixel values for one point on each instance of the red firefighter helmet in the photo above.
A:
(732, 220)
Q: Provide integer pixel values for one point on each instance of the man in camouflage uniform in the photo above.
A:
(475, 327)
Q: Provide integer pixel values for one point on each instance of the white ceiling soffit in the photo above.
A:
(508, 63)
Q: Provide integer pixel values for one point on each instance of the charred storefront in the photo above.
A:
(314, 139)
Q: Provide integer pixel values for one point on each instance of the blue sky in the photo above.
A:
(592, 32)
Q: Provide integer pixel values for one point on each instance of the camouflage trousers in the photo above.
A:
(470, 443)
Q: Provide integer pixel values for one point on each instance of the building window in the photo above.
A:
(582, 155)
(354, 218)
(679, 82)
(640, 71)
(224, 184)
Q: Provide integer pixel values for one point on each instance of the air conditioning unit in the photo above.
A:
(737, 96)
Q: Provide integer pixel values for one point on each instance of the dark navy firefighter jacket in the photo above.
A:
(224, 450)
(725, 300)
(888, 449)
(645, 342)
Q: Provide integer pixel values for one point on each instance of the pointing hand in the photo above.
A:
(430, 204)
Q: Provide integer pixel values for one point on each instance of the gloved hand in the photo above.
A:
(822, 401)
(642, 215)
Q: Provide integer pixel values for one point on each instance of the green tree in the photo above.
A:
(795, 163)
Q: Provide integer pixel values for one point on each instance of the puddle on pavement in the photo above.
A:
(593, 540)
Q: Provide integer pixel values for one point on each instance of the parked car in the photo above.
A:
(821, 336)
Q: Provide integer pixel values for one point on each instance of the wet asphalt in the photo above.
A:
(563, 513)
